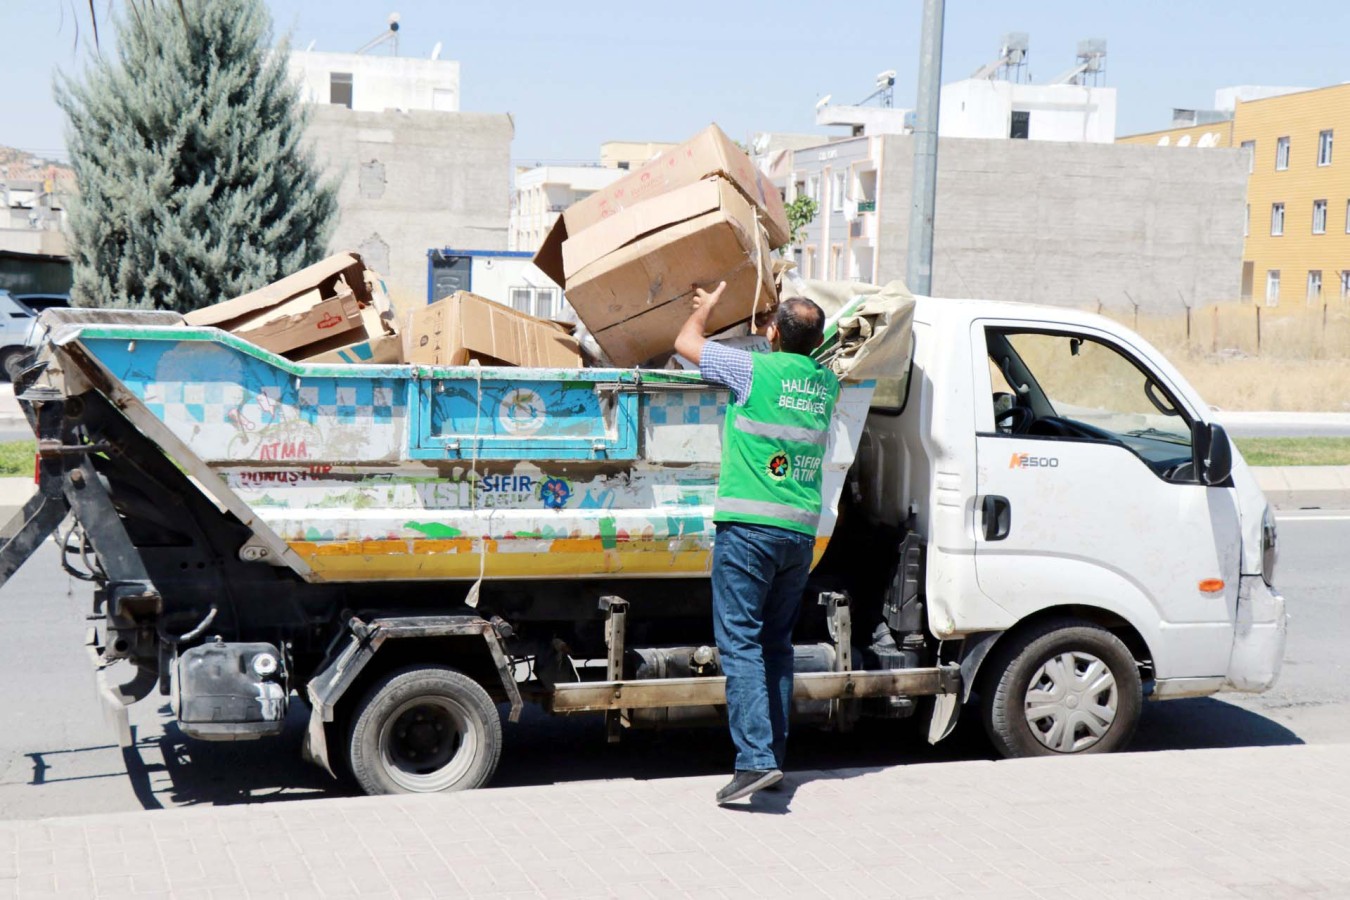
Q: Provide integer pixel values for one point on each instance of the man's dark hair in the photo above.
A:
(800, 325)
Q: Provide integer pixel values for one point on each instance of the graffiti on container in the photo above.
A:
(283, 450)
(285, 476)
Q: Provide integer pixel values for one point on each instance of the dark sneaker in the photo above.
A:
(745, 783)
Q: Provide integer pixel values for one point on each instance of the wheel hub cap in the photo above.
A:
(1071, 701)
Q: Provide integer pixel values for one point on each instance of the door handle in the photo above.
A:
(997, 517)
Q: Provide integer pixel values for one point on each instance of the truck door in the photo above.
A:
(1087, 493)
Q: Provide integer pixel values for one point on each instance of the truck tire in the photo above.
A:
(13, 360)
(1064, 687)
(424, 729)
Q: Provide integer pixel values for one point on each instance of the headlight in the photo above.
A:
(1270, 549)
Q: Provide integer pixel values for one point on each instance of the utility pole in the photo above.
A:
(919, 268)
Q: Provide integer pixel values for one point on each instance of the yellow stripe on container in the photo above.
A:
(457, 558)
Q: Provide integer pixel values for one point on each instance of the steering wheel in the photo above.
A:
(1019, 419)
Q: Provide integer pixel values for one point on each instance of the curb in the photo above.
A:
(1305, 487)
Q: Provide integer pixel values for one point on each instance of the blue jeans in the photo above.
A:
(758, 574)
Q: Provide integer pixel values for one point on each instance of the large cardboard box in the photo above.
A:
(464, 327)
(634, 299)
(709, 153)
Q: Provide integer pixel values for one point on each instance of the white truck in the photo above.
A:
(1032, 511)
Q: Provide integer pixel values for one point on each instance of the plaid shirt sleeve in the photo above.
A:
(729, 366)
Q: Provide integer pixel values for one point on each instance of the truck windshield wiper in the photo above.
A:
(1158, 434)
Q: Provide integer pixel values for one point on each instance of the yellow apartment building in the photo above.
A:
(1297, 220)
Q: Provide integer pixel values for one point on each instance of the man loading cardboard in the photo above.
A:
(768, 507)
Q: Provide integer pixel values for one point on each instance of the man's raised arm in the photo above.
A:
(689, 342)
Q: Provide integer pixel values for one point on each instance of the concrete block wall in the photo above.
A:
(410, 181)
(1072, 223)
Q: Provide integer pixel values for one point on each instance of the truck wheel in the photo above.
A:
(13, 361)
(1062, 688)
(422, 730)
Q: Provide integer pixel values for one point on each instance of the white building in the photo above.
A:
(982, 108)
(376, 83)
(542, 194)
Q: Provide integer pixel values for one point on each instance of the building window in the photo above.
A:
(813, 187)
(1020, 126)
(340, 89)
(1345, 285)
(1251, 157)
(1276, 219)
(1246, 219)
(840, 186)
(534, 301)
(1319, 217)
(1281, 154)
(1324, 148)
(1314, 286)
(1347, 217)
(837, 263)
(1273, 287)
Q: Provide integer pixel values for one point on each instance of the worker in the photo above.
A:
(768, 506)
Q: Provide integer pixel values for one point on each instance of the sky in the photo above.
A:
(573, 75)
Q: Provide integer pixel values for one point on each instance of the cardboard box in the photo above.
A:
(374, 343)
(463, 327)
(303, 320)
(323, 277)
(680, 205)
(634, 300)
(709, 153)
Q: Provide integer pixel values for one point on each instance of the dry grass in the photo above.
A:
(1300, 364)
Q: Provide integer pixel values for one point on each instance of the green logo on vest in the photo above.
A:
(778, 466)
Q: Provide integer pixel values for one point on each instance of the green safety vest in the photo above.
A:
(773, 444)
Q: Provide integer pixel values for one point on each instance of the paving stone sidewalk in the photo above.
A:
(1253, 823)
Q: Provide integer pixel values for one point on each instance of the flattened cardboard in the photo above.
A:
(634, 300)
(374, 343)
(464, 327)
(302, 321)
(386, 349)
(322, 276)
(679, 205)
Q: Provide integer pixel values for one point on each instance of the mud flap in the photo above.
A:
(946, 710)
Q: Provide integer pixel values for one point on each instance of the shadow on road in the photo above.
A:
(167, 768)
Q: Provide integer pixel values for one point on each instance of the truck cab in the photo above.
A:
(1092, 537)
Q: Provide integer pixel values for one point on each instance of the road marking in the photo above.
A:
(1295, 518)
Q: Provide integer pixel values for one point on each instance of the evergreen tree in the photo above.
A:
(194, 185)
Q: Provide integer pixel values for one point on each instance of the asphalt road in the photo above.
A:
(57, 757)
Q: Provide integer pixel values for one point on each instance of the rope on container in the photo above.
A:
(471, 596)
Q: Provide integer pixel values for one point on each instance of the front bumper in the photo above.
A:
(1258, 637)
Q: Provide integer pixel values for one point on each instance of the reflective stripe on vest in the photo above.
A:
(769, 510)
(782, 432)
